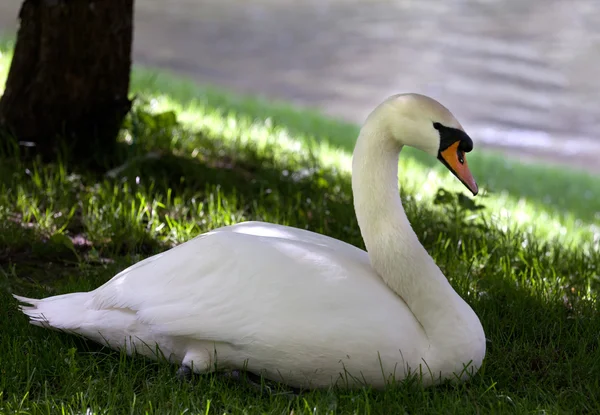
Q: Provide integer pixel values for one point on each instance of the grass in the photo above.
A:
(527, 263)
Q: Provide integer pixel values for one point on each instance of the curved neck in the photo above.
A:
(393, 247)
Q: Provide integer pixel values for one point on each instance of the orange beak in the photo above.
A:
(454, 159)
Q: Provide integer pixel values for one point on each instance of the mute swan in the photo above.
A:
(296, 306)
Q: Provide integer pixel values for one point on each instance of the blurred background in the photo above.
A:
(522, 76)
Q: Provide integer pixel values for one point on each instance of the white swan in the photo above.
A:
(297, 306)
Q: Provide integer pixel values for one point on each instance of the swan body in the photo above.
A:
(296, 306)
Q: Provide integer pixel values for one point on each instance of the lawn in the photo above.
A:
(526, 260)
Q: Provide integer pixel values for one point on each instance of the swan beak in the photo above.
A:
(455, 160)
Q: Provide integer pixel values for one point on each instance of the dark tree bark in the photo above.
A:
(69, 77)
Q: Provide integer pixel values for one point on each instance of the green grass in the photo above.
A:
(528, 263)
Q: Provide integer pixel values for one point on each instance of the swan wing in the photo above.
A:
(250, 282)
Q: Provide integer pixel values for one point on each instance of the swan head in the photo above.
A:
(419, 121)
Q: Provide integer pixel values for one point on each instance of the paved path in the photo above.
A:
(521, 76)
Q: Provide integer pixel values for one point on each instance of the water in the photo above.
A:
(521, 76)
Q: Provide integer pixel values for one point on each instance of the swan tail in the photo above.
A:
(61, 312)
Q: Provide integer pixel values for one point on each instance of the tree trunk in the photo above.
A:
(69, 77)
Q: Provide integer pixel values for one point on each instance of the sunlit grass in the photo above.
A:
(198, 159)
(5, 58)
(547, 216)
(562, 191)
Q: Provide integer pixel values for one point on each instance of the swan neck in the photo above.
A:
(393, 247)
(384, 226)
